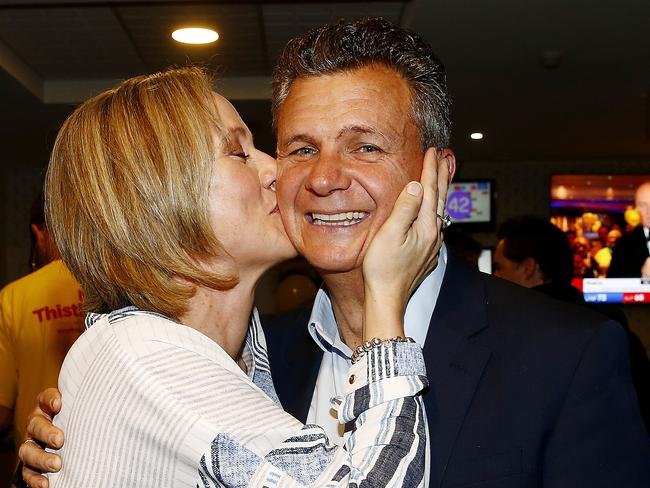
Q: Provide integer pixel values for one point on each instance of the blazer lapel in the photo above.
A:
(295, 375)
(455, 360)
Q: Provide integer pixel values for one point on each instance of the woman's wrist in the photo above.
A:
(382, 328)
(383, 318)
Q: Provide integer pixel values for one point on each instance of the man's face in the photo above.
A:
(346, 148)
(642, 202)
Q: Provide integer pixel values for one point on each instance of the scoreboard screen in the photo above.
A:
(471, 202)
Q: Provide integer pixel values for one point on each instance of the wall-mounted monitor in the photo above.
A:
(596, 211)
(470, 204)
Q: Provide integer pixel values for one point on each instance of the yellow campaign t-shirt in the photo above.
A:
(40, 317)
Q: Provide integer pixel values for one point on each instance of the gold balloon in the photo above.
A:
(632, 216)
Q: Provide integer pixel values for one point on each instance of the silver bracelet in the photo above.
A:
(360, 351)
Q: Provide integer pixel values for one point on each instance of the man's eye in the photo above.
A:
(302, 154)
(368, 148)
(304, 151)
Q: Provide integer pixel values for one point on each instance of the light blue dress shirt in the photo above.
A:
(332, 376)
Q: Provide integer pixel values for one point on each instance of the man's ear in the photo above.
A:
(529, 267)
(39, 233)
(449, 155)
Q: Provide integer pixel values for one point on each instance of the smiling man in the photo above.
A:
(524, 391)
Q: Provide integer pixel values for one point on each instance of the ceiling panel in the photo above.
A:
(70, 43)
(238, 52)
(284, 21)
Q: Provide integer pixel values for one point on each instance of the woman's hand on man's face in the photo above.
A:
(406, 247)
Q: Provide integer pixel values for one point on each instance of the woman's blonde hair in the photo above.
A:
(127, 194)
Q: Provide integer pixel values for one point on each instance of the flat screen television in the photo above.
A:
(595, 211)
(470, 204)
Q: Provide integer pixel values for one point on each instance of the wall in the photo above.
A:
(524, 188)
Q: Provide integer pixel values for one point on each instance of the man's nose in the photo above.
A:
(328, 174)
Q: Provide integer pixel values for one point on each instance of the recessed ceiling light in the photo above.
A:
(477, 136)
(195, 35)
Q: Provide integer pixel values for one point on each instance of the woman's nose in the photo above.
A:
(268, 170)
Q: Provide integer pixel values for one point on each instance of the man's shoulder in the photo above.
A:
(521, 316)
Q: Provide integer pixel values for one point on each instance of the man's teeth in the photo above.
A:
(345, 218)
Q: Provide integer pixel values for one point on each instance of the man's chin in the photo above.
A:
(333, 263)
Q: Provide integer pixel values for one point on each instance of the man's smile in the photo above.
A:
(336, 219)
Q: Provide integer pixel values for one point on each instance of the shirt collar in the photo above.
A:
(324, 330)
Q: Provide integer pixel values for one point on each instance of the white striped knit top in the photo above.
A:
(148, 402)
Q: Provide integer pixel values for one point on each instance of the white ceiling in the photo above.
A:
(593, 105)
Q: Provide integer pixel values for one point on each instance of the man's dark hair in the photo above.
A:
(535, 237)
(37, 217)
(346, 46)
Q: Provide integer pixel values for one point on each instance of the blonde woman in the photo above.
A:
(166, 213)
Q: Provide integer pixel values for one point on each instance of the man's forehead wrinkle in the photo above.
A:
(359, 129)
(297, 138)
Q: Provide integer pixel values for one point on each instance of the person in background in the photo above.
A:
(43, 250)
(40, 317)
(631, 255)
(534, 253)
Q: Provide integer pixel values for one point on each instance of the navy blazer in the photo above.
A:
(525, 391)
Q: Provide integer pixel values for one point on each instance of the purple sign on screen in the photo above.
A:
(459, 205)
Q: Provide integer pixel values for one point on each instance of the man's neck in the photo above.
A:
(346, 293)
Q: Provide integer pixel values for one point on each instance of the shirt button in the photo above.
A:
(351, 380)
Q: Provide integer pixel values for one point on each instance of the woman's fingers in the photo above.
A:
(34, 479)
(41, 429)
(49, 401)
(37, 461)
(405, 211)
(429, 181)
(443, 187)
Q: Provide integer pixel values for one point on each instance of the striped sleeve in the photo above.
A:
(388, 446)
